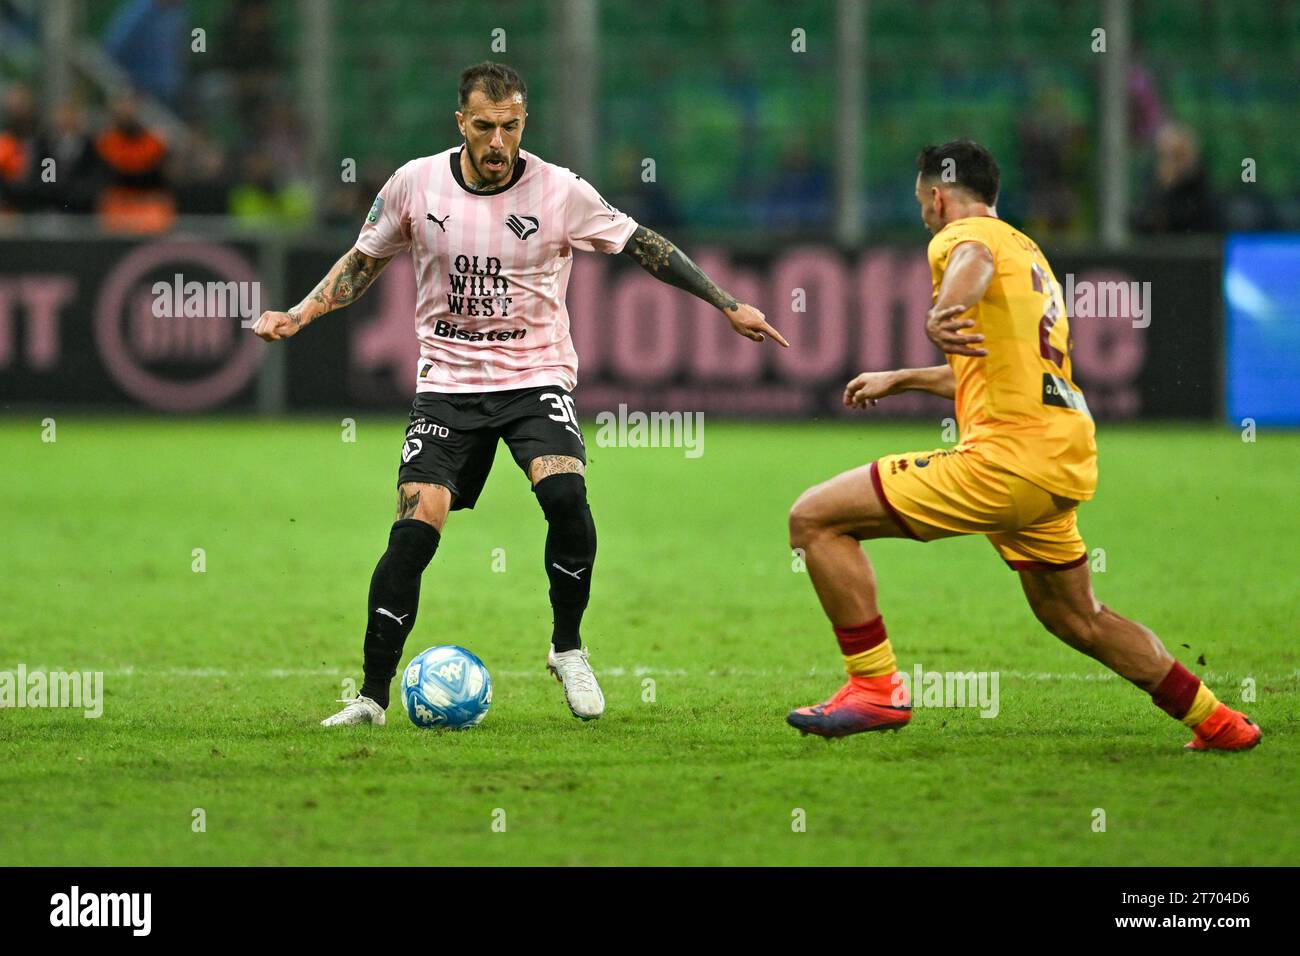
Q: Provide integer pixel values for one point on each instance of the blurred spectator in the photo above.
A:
(1180, 199)
(18, 158)
(1052, 148)
(347, 204)
(201, 175)
(643, 201)
(250, 54)
(150, 40)
(278, 132)
(1145, 111)
(135, 197)
(799, 197)
(77, 169)
(262, 201)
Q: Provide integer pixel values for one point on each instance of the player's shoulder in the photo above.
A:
(422, 167)
(989, 231)
(554, 173)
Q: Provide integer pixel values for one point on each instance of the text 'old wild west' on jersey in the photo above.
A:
(492, 267)
(1018, 405)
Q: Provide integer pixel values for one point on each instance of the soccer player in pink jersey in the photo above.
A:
(491, 230)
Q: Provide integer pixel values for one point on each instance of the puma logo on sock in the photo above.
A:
(572, 574)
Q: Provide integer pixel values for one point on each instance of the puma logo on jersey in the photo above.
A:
(572, 574)
(441, 222)
(522, 226)
(387, 613)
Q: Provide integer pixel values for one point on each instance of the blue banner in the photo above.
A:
(1261, 289)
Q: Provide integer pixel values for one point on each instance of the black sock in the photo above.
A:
(394, 599)
(570, 553)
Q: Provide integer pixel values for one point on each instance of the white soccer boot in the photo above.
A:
(359, 710)
(581, 690)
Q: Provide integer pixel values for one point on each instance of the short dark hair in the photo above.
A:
(973, 167)
(496, 80)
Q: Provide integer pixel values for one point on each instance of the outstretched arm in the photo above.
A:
(663, 260)
(342, 285)
(870, 387)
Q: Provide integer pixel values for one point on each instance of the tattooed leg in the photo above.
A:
(547, 465)
(424, 502)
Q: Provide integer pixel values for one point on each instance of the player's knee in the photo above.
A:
(428, 503)
(562, 496)
(805, 522)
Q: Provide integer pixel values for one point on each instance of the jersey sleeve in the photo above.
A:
(387, 229)
(591, 223)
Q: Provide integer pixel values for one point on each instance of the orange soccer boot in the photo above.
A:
(863, 704)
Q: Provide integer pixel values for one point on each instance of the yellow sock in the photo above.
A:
(876, 662)
(1202, 706)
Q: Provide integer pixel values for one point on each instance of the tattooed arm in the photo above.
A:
(663, 260)
(343, 285)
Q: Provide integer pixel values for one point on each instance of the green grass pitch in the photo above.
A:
(215, 681)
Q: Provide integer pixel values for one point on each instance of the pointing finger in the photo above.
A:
(776, 335)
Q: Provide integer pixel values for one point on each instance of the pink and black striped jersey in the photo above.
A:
(492, 267)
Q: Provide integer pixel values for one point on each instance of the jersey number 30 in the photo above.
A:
(564, 411)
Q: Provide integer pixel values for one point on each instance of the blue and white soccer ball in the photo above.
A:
(446, 686)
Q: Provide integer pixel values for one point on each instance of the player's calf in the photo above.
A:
(394, 595)
(1063, 601)
(570, 553)
(570, 556)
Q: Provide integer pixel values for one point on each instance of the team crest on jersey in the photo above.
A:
(522, 226)
(376, 208)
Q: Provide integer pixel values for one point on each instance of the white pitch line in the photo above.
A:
(172, 673)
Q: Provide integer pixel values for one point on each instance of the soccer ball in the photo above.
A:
(446, 686)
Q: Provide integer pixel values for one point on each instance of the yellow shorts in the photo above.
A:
(952, 491)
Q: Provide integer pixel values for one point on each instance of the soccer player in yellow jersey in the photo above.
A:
(1025, 459)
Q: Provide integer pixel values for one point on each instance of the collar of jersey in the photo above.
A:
(515, 175)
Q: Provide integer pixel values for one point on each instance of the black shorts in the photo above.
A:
(452, 437)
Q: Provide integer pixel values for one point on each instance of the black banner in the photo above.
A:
(115, 323)
(1147, 335)
(1225, 907)
(160, 325)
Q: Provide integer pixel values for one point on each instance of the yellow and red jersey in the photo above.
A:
(1018, 406)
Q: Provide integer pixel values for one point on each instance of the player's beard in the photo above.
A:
(488, 178)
